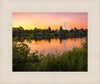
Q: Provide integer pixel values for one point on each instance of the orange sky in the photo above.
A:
(43, 20)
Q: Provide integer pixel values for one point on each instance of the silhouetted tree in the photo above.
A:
(61, 28)
(49, 29)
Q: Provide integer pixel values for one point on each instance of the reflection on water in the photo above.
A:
(64, 41)
(54, 46)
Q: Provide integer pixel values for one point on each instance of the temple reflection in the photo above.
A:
(64, 42)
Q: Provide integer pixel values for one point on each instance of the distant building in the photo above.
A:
(65, 27)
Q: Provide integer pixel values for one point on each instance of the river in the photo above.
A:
(55, 46)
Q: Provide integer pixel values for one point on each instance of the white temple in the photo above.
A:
(64, 28)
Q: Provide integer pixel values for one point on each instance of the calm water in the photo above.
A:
(54, 46)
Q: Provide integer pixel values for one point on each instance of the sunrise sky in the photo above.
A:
(43, 20)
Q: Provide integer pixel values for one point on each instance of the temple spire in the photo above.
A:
(64, 28)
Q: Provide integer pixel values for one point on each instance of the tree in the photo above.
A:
(21, 28)
(20, 52)
(61, 28)
(35, 28)
(49, 29)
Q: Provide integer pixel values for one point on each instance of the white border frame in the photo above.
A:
(9, 77)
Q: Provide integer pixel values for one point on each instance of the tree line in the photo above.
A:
(20, 33)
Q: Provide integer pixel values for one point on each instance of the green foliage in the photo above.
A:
(75, 60)
(28, 38)
(47, 33)
(20, 52)
(15, 39)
